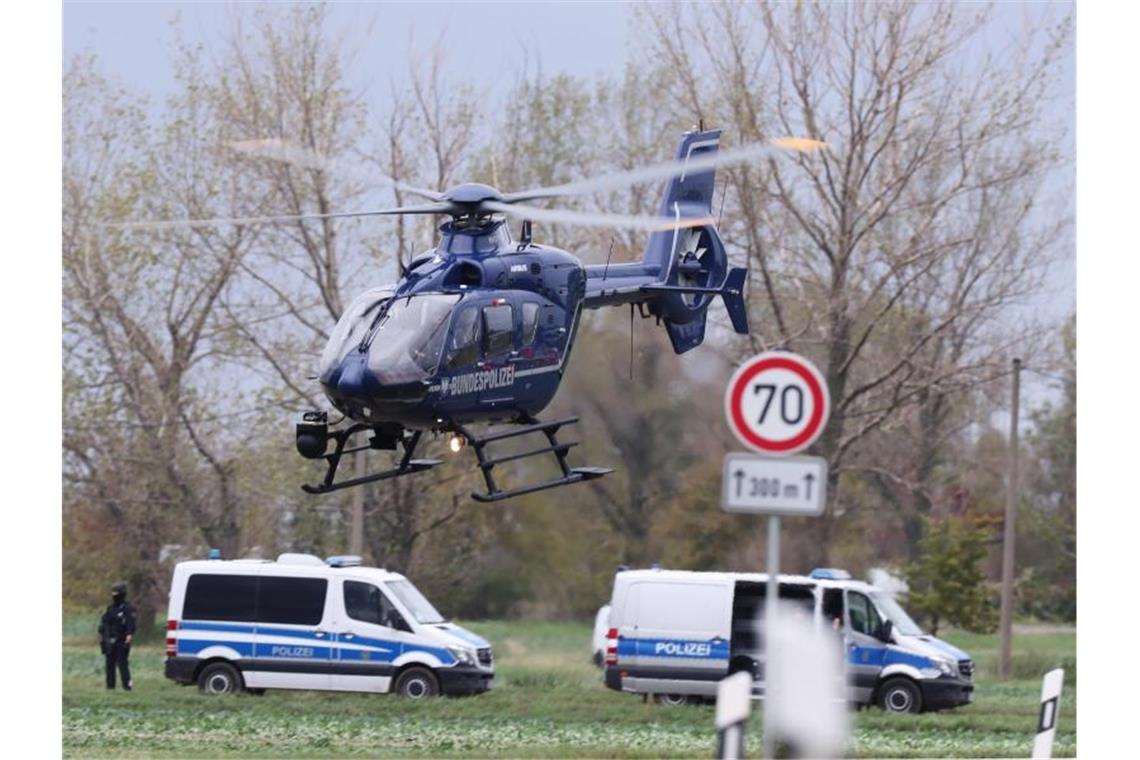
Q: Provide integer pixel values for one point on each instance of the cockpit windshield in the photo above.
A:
(353, 325)
(407, 339)
(894, 612)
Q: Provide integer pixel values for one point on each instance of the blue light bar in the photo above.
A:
(829, 574)
(214, 554)
(344, 560)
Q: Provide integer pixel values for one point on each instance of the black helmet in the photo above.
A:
(118, 589)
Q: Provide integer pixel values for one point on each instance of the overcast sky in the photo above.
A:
(486, 41)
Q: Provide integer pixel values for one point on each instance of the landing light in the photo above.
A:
(456, 443)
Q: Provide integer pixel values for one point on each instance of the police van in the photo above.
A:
(304, 623)
(676, 633)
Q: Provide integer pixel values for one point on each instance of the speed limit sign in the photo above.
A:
(777, 403)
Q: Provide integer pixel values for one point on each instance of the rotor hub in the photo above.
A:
(472, 193)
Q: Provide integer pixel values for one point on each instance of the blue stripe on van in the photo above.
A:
(264, 630)
(895, 655)
(688, 649)
(383, 650)
(396, 648)
(194, 646)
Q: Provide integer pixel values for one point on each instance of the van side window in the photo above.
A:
(368, 604)
(212, 596)
(499, 328)
(295, 601)
(465, 339)
(529, 322)
(864, 616)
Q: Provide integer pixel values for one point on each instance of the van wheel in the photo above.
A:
(900, 695)
(219, 678)
(417, 683)
(672, 699)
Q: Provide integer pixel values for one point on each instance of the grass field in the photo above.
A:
(548, 702)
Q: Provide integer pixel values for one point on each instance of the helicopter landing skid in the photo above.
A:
(407, 465)
(549, 429)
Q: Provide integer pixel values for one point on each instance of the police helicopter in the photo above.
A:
(479, 329)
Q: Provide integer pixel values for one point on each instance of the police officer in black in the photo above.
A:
(116, 630)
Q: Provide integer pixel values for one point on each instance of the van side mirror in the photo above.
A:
(885, 631)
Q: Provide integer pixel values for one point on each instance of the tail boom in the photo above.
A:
(684, 268)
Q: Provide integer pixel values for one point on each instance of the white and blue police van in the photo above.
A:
(674, 634)
(303, 623)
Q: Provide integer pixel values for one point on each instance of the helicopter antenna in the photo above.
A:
(606, 271)
(723, 195)
(631, 342)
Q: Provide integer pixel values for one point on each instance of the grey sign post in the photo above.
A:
(774, 486)
(777, 403)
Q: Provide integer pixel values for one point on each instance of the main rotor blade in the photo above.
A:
(666, 170)
(278, 150)
(592, 219)
(234, 221)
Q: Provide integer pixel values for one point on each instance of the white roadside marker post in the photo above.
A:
(1047, 717)
(733, 704)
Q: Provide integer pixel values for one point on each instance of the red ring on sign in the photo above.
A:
(765, 444)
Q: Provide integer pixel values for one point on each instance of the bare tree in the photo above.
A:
(889, 257)
(141, 318)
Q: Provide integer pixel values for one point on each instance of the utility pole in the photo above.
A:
(356, 537)
(1009, 531)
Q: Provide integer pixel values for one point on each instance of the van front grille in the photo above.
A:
(966, 668)
(484, 655)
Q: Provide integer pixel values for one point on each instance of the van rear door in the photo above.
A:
(674, 637)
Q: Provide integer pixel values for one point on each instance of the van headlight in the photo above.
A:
(464, 656)
(945, 667)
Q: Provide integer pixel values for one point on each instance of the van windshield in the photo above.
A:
(892, 611)
(416, 603)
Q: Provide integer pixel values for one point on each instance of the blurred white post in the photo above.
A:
(1047, 717)
(805, 705)
(770, 598)
(733, 703)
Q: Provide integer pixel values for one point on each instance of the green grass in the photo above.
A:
(548, 702)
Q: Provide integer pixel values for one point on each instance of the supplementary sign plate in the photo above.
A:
(774, 485)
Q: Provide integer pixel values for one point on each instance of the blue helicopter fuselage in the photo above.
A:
(479, 329)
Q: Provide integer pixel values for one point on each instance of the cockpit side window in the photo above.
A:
(499, 321)
(465, 335)
(529, 322)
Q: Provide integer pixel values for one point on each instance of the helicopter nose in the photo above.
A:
(353, 376)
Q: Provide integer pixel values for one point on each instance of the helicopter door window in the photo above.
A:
(529, 322)
(499, 322)
(465, 339)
